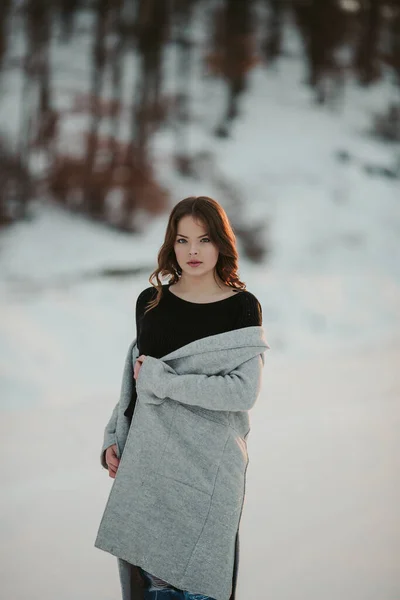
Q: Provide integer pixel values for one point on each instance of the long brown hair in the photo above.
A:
(211, 213)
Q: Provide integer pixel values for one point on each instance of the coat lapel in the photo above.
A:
(245, 337)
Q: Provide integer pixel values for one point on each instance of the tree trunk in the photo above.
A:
(237, 47)
(367, 54)
(68, 9)
(152, 25)
(273, 41)
(4, 12)
(36, 97)
(93, 202)
(116, 69)
(183, 17)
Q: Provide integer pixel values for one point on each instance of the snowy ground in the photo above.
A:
(321, 514)
(321, 511)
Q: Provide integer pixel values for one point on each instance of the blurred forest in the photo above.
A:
(125, 98)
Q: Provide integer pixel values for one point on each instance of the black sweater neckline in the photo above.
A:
(171, 294)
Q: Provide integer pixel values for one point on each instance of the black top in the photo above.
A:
(176, 322)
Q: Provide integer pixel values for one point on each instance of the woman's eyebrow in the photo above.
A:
(185, 236)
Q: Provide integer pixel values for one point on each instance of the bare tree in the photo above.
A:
(234, 49)
(67, 12)
(94, 200)
(16, 186)
(395, 41)
(116, 64)
(37, 116)
(273, 40)
(183, 14)
(152, 31)
(323, 26)
(4, 13)
(367, 56)
(387, 125)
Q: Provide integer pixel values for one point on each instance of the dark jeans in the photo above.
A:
(158, 589)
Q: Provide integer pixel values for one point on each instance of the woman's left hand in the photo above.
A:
(137, 365)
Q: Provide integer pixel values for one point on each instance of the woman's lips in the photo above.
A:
(194, 264)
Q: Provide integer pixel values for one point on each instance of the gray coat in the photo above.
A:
(175, 504)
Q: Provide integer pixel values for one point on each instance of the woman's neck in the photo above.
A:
(201, 290)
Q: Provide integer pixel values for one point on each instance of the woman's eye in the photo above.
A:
(202, 239)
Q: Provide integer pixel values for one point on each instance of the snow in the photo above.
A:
(321, 511)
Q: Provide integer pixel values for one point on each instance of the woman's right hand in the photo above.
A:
(112, 460)
(138, 365)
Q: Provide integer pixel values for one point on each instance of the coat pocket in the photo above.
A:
(194, 449)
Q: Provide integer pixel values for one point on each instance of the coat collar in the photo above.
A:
(245, 337)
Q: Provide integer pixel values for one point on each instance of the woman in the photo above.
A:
(176, 441)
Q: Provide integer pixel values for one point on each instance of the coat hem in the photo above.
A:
(142, 563)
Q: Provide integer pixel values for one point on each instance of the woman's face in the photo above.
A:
(192, 242)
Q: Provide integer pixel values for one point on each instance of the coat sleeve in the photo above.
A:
(110, 432)
(236, 391)
(110, 437)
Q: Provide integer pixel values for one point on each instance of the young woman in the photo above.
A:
(180, 515)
